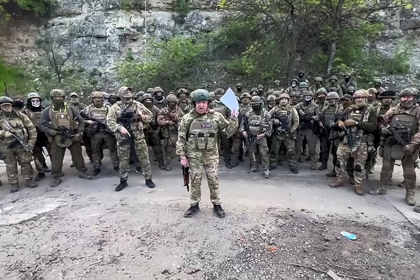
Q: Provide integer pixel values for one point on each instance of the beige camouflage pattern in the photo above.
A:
(200, 157)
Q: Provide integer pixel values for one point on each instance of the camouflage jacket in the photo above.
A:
(266, 125)
(165, 116)
(184, 145)
(21, 125)
(142, 116)
(292, 115)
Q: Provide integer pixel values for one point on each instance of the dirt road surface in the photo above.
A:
(285, 227)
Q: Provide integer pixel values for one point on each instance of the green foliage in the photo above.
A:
(168, 64)
(138, 5)
(39, 7)
(182, 6)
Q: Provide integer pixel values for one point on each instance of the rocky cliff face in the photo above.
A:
(100, 33)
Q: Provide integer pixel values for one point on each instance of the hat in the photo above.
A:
(347, 96)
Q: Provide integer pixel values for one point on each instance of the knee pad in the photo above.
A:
(358, 167)
(339, 163)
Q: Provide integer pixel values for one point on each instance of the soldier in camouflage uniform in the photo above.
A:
(159, 98)
(152, 131)
(348, 82)
(113, 98)
(100, 135)
(224, 140)
(318, 84)
(238, 139)
(308, 118)
(184, 100)
(13, 122)
(18, 103)
(286, 121)
(271, 101)
(327, 117)
(359, 120)
(377, 83)
(302, 78)
(404, 145)
(277, 86)
(168, 119)
(294, 98)
(33, 111)
(350, 90)
(127, 119)
(374, 137)
(256, 127)
(294, 87)
(61, 115)
(238, 91)
(321, 95)
(336, 87)
(197, 148)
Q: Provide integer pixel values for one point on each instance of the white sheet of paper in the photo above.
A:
(229, 99)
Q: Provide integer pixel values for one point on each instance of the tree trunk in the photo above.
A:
(6, 93)
(333, 50)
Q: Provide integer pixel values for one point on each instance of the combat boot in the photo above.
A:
(138, 170)
(323, 166)
(121, 185)
(267, 174)
(39, 177)
(331, 174)
(336, 184)
(409, 197)
(313, 165)
(294, 169)
(56, 182)
(117, 168)
(150, 183)
(168, 167)
(228, 165)
(161, 165)
(358, 189)
(15, 188)
(241, 158)
(46, 169)
(192, 210)
(31, 184)
(219, 211)
(84, 175)
(254, 169)
(96, 171)
(402, 185)
(417, 208)
(379, 190)
(72, 164)
(351, 180)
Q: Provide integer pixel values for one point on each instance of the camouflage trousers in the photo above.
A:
(238, 150)
(12, 158)
(142, 152)
(409, 172)
(57, 157)
(259, 149)
(210, 163)
(168, 149)
(96, 142)
(37, 153)
(311, 138)
(359, 155)
(153, 140)
(276, 144)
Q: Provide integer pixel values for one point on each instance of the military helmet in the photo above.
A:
(351, 88)
(390, 94)
(57, 92)
(125, 92)
(106, 95)
(212, 95)
(409, 92)
(303, 85)
(347, 75)
(149, 90)
(271, 97)
(157, 89)
(182, 90)
(306, 92)
(256, 100)
(373, 91)
(254, 89)
(321, 90)
(277, 81)
(333, 78)
(260, 87)
(293, 79)
(33, 95)
(96, 94)
(219, 91)
(74, 94)
(332, 95)
(277, 92)
(171, 98)
(377, 80)
(347, 96)
(6, 100)
(270, 91)
(245, 95)
(146, 96)
(318, 79)
(201, 95)
(301, 72)
(239, 85)
(140, 94)
(284, 95)
(361, 93)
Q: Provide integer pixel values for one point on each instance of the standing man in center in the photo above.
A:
(197, 147)
(126, 119)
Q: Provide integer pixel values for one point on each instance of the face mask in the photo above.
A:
(321, 98)
(332, 102)
(112, 100)
(386, 102)
(294, 84)
(350, 92)
(276, 85)
(308, 98)
(271, 103)
(346, 103)
(19, 103)
(35, 102)
(347, 80)
(260, 91)
(333, 82)
(158, 97)
(172, 105)
(238, 89)
(58, 102)
(256, 108)
(148, 103)
(301, 76)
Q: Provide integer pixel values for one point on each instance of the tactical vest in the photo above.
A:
(328, 114)
(355, 132)
(134, 122)
(98, 113)
(282, 112)
(384, 109)
(183, 103)
(62, 117)
(16, 123)
(405, 124)
(307, 110)
(202, 134)
(219, 107)
(170, 132)
(255, 122)
(35, 117)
